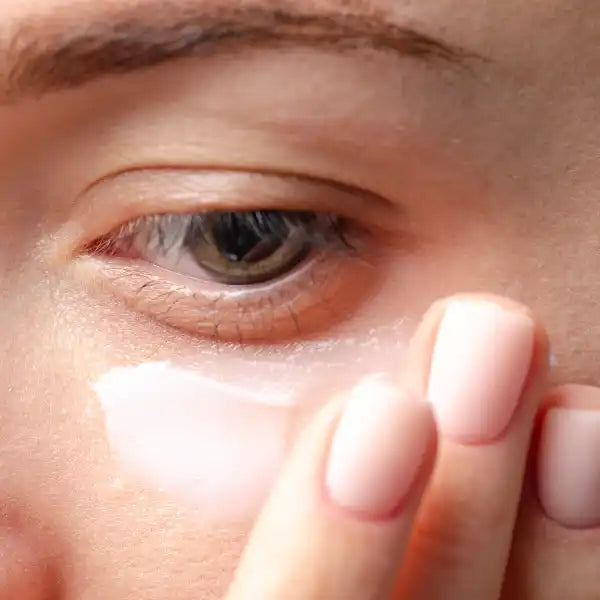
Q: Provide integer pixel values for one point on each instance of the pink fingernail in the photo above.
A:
(378, 450)
(479, 365)
(569, 467)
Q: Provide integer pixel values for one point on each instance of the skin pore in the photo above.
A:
(457, 140)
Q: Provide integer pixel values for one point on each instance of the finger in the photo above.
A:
(488, 370)
(338, 521)
(557, 538)
(568, 460)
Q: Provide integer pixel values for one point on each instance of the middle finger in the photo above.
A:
(488, 372)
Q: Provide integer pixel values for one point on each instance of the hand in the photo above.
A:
(360, 512)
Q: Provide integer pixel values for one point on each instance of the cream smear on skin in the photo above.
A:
(217, 446)
(212, 445)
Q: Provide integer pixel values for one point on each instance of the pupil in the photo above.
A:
(239, 238)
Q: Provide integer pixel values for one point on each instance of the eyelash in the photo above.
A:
(314, 295)
(164, 233)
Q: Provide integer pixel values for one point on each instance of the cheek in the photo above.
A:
(110, 528)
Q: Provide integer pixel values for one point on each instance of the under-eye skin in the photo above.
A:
(243, 276)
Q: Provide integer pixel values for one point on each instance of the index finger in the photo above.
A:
(341, 514)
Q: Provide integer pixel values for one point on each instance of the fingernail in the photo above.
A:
(378, 450)
(479, 364)
(569, 467)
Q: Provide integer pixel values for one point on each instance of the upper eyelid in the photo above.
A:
(117, 199)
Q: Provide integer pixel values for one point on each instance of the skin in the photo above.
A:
(490, 177)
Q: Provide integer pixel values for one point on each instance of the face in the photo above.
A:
(215, 216)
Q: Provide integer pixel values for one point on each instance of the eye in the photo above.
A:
(246, 274)
(233, 248)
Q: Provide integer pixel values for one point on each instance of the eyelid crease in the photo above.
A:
(218, 171)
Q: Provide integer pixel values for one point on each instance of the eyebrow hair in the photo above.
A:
(62, 54)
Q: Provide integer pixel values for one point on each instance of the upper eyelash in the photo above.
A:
(165, 232)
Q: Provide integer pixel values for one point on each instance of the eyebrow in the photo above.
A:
(64, 53)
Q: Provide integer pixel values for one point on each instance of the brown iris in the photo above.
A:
(243, 248)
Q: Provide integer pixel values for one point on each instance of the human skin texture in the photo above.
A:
(468, 167)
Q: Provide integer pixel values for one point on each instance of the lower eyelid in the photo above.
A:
(324, 291)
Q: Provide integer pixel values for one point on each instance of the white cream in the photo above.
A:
(212, 445)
